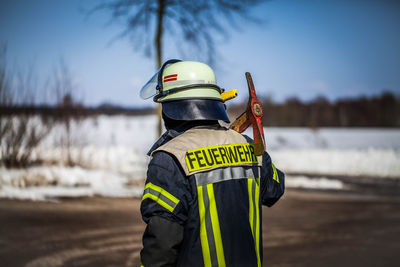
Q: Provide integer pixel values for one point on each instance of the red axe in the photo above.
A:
(252, 115)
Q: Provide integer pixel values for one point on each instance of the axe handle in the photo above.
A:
(241, 123)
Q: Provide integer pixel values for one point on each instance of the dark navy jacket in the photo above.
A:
(190, 223)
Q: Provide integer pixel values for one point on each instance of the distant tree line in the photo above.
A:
(376, 111)
(74, 110)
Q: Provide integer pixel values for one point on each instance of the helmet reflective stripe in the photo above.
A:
(154, 85)
(183, 83)
(161, 71)
(188, 80)
(169, 78)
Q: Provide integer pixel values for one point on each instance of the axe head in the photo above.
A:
(252, 116)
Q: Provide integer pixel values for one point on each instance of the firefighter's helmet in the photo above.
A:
(187, 91)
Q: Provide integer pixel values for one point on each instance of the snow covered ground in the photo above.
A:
(112, 162)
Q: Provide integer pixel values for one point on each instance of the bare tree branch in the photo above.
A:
(197, 23)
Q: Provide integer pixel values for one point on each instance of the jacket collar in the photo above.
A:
(167, 136)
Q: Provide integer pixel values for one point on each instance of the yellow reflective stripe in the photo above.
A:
(257, 240)
(162, 191)
(215, 226)
(158, 200)
(254, 214)
(219, 156)
(203, 231)
(251, 210)
(160, 196)
(275, 177)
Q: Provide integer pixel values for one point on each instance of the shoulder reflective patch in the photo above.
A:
(220, 156)
(160, 196)
(275, 177)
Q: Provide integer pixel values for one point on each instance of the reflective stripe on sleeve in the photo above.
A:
(210, 234)
(275, 177)
(161, 196)
(253, 186)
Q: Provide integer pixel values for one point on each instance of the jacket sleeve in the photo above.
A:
(164, 209)
(272, 182)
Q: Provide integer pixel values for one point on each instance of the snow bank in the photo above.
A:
(111, 152)
(312, 183)
(41, 183)
(331, 138)
(379, 163)
(140, 133)
(137, 133)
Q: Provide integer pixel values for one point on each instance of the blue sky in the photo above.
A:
(306, 48)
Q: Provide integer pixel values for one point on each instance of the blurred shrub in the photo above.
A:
(19, 135)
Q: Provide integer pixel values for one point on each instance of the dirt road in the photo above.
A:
(303, 229)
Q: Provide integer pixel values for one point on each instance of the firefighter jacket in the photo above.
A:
(202, 200)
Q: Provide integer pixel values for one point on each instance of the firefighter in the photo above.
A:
(205, 187)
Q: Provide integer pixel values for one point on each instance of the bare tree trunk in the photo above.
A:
(69, 159)
(158, 44)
